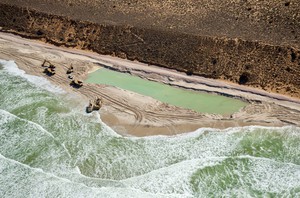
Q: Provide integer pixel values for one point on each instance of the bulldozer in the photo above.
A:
(94, 105)
(76, 83)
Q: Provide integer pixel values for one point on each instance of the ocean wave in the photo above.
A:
(245, 176)
(171, 179)
(19, 179)
(6, 116)
(294, 130)
(25, 140)
(52, 148)
(216, 175)
(12, 68)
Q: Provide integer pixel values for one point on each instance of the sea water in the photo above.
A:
(49, 147)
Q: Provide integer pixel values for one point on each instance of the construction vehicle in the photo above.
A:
(48, 64)
(94, 105)
(76, 83)
(49, 68)
(49, 71)
(70, 69)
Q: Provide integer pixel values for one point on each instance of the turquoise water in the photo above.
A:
(200, 102)
(50, 148)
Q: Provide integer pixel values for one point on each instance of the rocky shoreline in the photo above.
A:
(268, 65)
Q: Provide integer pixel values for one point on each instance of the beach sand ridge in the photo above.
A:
(130, 113)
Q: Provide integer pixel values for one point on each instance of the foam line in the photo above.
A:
(34, 169)
(189, 162)
(264, 159)
(230, 130)
(38, 127)
(108, 190)
(30, 122)
(12, 68)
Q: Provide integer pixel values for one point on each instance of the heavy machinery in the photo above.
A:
(70, 69)
(49, 68)
(48, 64)
(49, 71)
(76, 83)
(94, 105)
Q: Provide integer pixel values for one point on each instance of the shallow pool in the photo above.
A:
(198, 101)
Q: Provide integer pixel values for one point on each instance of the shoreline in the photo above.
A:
(255, 58)
(129, 113)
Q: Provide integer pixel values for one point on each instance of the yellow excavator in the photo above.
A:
(70, 69)
(94, 105)
(48, 64)
(49, 71)
(76, 83)
(49, 68)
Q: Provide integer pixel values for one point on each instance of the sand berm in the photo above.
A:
(250, 42)
(130, 113)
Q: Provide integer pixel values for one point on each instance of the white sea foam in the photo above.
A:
(231, 130)
(12, 68)
(27, 182)
(267, 175)
(172, 179)
(20, 138)
(281, 177)
(157, 166)
(106, 129)
(12, 117)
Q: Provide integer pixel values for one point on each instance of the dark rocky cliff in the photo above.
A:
(246, 42)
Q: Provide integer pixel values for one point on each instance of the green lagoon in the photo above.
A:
(49, 147)
(200, 102)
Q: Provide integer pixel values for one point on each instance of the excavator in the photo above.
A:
(48, 64)
(70, 69)
(50, 68)
(49, 71)
(76, 83)
(94, 105)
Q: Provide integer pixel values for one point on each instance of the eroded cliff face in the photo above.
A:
(271, 67)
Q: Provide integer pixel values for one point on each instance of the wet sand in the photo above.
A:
(130, 113)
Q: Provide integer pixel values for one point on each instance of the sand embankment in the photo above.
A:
(134, 114)
(255, 43)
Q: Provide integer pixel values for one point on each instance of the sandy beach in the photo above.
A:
(130, 113)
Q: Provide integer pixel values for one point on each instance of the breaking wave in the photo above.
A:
(49, 148)
(12, 68)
